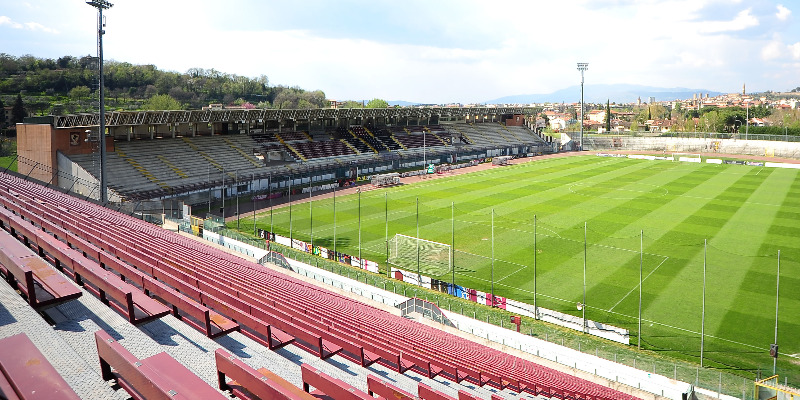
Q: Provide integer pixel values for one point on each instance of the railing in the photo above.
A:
(426, 309)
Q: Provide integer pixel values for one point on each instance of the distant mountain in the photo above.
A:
(618, 93)
(401, 103)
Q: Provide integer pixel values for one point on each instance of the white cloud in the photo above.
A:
(7, 21)
(772, 51)
(31, 26)
(783, 12)
(744, 19)
(35, 26)
(794, 50)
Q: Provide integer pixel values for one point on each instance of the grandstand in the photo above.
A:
(166, 316)
(177, 154)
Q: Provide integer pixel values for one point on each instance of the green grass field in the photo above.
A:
(747, 214)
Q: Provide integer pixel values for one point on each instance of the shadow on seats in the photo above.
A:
(76, 312)
(234, 346)
(162, 333)
(5, 316)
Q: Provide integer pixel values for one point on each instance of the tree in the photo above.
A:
(79, 93)
(2, 115)
(377, 103)
(162, 102)
(18, 111)
(351, 104)
(608, 115)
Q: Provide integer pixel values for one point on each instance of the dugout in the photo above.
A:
(501, 160)
(389, 179)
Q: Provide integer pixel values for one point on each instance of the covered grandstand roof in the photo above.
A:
(123, 118)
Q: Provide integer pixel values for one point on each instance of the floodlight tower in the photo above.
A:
(101, 5)
(582, 67)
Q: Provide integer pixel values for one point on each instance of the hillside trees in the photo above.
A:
(18, 111)
(377, 103)
(161, 102)
(129, 86)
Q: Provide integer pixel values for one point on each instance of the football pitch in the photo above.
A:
(612, 215)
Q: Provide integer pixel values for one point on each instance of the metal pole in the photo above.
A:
(582, 67)
(641, 257)
(386, 230)
(493, 257)
(236, 178)
(747, 127)
(269, 197)
(310, 214)
(703, 318)
(583, 307)
(777, 294)
(419, 274)
(100, 5)
(209, 188)
(253, 197)
(334, 222)
(223, 194)
(535, 309)
(359, 228)
(291, 238)
(453, 244)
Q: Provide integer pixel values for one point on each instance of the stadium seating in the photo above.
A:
(156, 377)
(248, 383)
(278, 310)
(328, 387)
(26, 374)
(32, 276)
(145, 169)
(386, 390)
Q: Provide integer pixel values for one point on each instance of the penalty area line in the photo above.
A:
(637, 285)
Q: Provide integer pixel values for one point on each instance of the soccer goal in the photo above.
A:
(433, 257)
(687, 157)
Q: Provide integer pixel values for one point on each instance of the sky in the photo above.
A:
(427, 51)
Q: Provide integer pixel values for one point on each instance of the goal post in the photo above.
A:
(434, 257)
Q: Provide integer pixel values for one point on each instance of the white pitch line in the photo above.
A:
(627, 316)
(637, 285)
(503, 278)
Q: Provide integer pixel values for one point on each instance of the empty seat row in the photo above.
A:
(280, 310)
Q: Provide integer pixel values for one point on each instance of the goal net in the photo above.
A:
(434, 257)
(687, 157)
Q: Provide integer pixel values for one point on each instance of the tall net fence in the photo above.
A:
(545, 261)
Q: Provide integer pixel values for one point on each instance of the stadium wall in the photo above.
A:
(76, 179)
(40, 143)
(760, 148)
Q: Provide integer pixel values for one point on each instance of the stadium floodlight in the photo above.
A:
(582, 67)
(101, 5)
